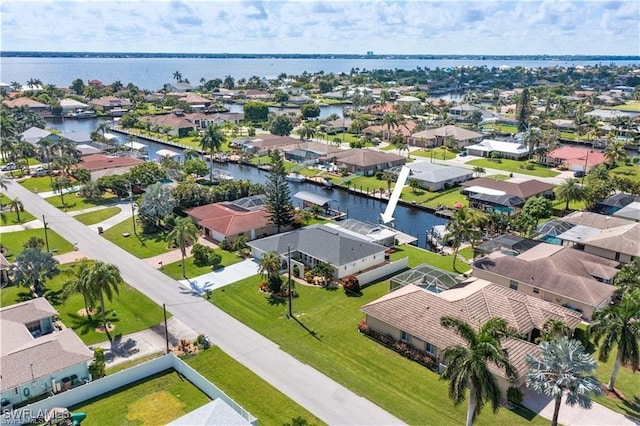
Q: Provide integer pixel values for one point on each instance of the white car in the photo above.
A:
(9, 167)
(40, 171)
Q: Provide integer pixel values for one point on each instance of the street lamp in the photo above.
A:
(289, 283)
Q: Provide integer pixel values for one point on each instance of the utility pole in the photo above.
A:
(133, 212)
(289, 269)
(166, 330)
(46, 236)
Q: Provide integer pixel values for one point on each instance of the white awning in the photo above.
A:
(167, 153)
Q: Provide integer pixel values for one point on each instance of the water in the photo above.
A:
(153, 73)
(408, 220)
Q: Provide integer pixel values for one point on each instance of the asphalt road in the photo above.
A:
(329, 401)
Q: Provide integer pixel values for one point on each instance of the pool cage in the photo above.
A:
(427, 277)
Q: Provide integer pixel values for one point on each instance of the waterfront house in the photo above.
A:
(70, 105)
(406, 130)
(33, 135)
(229, 219)
(176, 123)
(511, 150)
(265, 142)
(36, 358)
(339, 125)
(440, 136)
(365, 161)
(558, 274)
(412, 314)
(435, 177)
(180, 87)
(307, 152)
(112, 105)
(101, 165)
(573, 158)
(33, 105)
(525, 190)
(347, 254)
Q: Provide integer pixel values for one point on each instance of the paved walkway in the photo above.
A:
(175, 255)
(33, 224)
(326, 399)
(146, 342)
(221, 277)
(596, 415)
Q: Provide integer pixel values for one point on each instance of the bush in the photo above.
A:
(202, 342)
(514, 395)
(205, 256)
(308, 276)
(635, 160)
(351, 285)
(225, 245)
(96, 369)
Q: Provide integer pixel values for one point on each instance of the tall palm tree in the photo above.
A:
(78, 283)
(569, 191)
(45, 148)
(469, 366)
(269, 266)
(104, 278)
(391, 120)
(183, 235)
(614, 152)
(465, 226)
(532, 139)
(564, 368)
(16, 206)
(211, 141)
(61, 184)
(618, 325)
(308, 131)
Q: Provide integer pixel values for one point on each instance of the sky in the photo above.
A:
(512, 27)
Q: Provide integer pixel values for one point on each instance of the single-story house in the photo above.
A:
(631, 211)
(33, 105)
(434, 177)
(77, 137)
(33, 135)
(406, 130)
(525, 190)
(335, 126)
(574, 158)
(307, 151)
(109, 103)
(36, 358)
(319, 243)
(70, 105)
(610, 114)
(365, 161)
(102, 164)
(611, 205)
(512, 150)
(367, 231)
(230, 219)
(411, 100)
(178, 122)
(561, 124)
(412, 315)
(558, 274)
(178, 87)
(262, 144)
(437, 137)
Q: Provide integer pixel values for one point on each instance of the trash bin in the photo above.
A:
(74, 380)
(66, 383)
(100, 230)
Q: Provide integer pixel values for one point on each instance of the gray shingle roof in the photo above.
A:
(320, 242)
(29, 311)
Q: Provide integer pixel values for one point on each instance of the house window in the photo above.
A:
(405, 337)
(14, 391)
(536, 290)
(34, 327)
(430, 349)
(513, 284)
(617, 258)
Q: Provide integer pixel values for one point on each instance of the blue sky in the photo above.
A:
(403, 27)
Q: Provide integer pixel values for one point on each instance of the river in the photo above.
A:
(409, 220)
(153, 73)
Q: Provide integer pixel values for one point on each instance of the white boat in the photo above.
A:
(295, 177)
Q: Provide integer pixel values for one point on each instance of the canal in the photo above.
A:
(409, 220)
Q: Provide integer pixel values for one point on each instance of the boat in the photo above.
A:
(219, 175)
(295, 177)
(327, 184)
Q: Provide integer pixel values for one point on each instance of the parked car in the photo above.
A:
(40, 171)
(579, 174)
(9, 167)
(463, 154)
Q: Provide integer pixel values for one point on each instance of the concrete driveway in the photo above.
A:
(596, 415)
(221, 277)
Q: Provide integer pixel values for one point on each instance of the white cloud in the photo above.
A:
(304, 26)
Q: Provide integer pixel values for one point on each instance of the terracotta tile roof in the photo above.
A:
(110, 101)
(101, 161)
(573, 153)
(229, 219)
(44, 356)
(418, 312)
(448, 131)
(564, 271)
(524, 189)
(22, 101)
(172, 119)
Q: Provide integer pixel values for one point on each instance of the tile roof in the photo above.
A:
(320, 242)
(111, 101)
(42, 357)
(101, 161)
(524, 189)
(595, 220)
(557, 269)
(172, 119)
(29, 311)
(574, 153)
(456, 132)
(418, 312)
(366, 157)
(22, 101)
(432, 172)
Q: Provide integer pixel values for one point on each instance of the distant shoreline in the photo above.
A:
(133, 55)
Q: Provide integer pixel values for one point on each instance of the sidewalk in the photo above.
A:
(175, 255)
(34, 224)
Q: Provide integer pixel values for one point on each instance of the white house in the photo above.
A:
(435, 177)
(512, 150)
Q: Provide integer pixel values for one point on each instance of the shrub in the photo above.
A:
(202, 342)
(274, 283)
(635, 160)
(514, 395)
(351, 285)
(308, 276)
(96, 369)
(225, 245)
(363, 327)
(205, 256)
(296, 271)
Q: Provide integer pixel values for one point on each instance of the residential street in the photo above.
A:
(326, 399)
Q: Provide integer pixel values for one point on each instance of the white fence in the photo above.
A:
(383, 271)
(106, 384)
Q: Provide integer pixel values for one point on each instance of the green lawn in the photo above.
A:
(629, 172)
(174, 270)
(134, 311)
(9, 217)
(514, 167)
(158, 399)
(330, 342)
(418, 256)
(14, 294)
(438, 153)
(97, 216)
(73, 202)
(628, 106)
(37, 184)
(13, 241)
(266, 403)
(140, 245)
(433, 200)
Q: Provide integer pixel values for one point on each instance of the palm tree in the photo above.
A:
(177, 76)
(469, 366)
(61, 184)
(465, 226)
(479, 171)
(45, 147)
(183, 234)
(212, 141)
(32, 267)
(104, 278)
(391, 120)
(532, 139)
(553, 328)
(564, 368)
(308, 131)
(78, 283)
(389, 177)
(618, 325)
(269, 267)
(569, 191)
(16, 206)
(615, 152)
